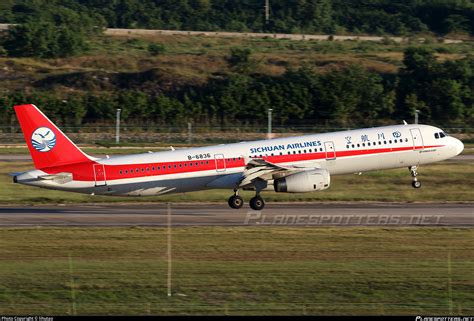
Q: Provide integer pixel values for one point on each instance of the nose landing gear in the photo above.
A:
(415, 182)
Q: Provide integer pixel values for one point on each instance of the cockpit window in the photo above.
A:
(440, 135)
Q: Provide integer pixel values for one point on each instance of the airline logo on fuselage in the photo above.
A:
(43, 139)
(273, 148)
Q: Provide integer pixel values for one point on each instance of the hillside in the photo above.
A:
(193, 79)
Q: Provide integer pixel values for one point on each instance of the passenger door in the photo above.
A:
(417, 139)
(220, 163)
(330, 150)
(99, 175)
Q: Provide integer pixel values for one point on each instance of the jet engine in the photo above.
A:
(303, 182)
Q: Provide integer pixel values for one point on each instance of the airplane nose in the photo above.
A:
(458, 145)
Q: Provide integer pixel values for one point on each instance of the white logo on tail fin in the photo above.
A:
(43, 139)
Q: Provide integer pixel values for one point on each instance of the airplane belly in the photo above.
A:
(162, 186)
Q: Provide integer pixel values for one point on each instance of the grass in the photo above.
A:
(446, 181)
(237, 271)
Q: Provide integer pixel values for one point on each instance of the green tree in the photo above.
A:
(51, 31)
(240, 60)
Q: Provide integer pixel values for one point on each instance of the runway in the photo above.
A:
(275, 214)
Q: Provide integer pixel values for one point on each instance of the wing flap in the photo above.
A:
(261, 169)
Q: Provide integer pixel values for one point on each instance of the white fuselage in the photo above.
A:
(222, 166)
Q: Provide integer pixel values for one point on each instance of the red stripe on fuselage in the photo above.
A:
(84, 171)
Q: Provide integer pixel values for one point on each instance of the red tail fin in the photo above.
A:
(47, 143)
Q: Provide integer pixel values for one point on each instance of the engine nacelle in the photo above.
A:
(303, 182)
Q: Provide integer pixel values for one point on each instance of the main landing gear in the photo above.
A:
(415, 182)
(256, 203)
(235, 201)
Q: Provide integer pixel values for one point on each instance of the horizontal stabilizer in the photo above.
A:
(15, 174)
(60, 178)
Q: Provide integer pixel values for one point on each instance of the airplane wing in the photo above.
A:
(260, 169)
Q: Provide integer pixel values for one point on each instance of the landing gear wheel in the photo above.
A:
(416, 184)
(257, 203)
(236, 202)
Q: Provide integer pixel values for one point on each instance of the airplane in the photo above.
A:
(285, 165)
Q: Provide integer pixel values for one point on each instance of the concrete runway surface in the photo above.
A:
(275, 214)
